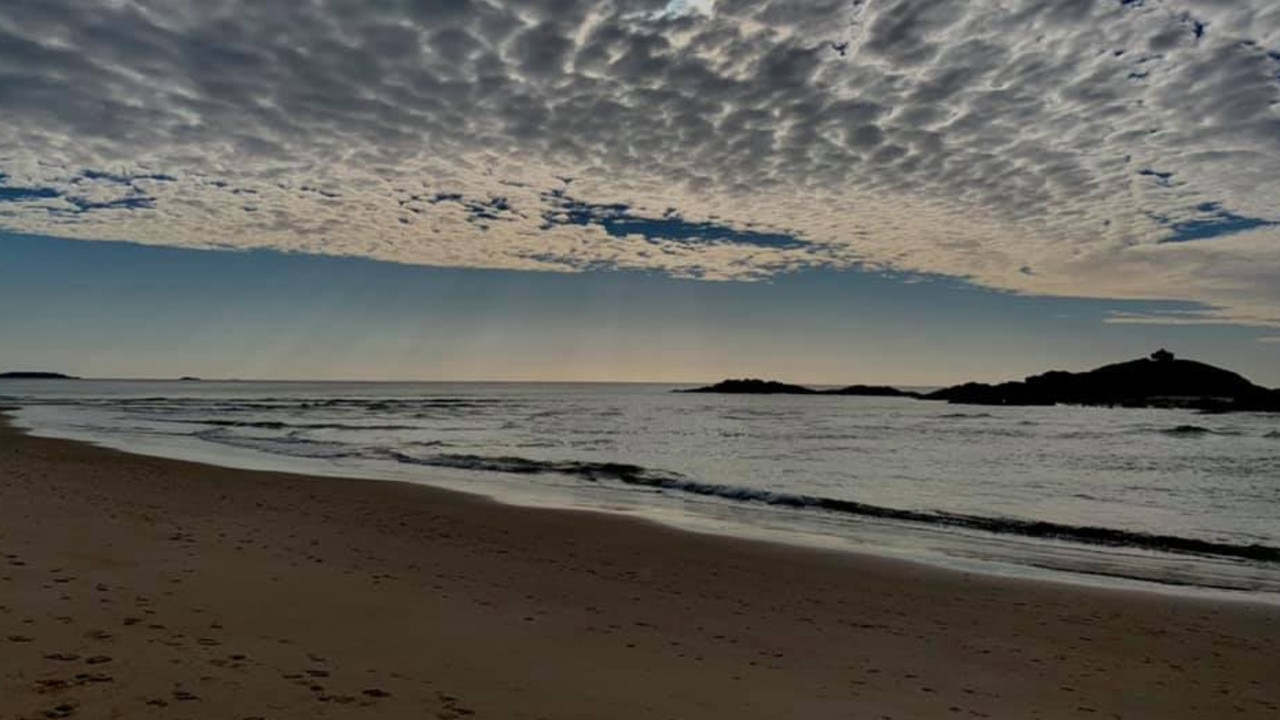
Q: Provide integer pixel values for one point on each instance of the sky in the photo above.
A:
(899, 191)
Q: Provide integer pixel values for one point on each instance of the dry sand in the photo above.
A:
(134, 587)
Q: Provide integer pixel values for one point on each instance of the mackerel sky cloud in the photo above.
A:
(1120, 149)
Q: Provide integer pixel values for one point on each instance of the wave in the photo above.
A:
(281, 425)
(166, 404)
(289, 446)
(592, 471)
(1187, 430)
(409, 404)
(1196, 430)
(664, 480)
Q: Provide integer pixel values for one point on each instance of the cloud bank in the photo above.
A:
(1099, 148)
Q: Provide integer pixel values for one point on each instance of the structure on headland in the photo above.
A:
(1160, 380)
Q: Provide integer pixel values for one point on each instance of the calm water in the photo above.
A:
(1167, 496)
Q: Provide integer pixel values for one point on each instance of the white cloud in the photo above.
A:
(1036, 147)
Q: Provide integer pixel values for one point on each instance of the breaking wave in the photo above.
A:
(280, 425)
(1187, 430)
(650, 478)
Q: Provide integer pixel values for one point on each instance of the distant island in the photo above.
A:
(752, 386)
(1159, 381)
(872, 391)
(36, 376)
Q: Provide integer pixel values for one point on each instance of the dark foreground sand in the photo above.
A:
(133, 587)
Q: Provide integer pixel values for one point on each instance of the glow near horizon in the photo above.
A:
(123, 310)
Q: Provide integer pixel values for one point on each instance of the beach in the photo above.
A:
(133, 586)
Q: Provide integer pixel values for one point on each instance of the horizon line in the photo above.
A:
(194, 379)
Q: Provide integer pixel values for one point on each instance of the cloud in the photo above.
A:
(1083, 148)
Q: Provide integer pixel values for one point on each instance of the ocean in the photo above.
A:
(1162, 499)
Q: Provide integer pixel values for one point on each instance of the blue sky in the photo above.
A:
(638, 189)
(127, 310)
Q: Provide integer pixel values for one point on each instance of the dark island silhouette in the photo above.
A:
(753, 386)
(1159, 381)
(872, 391)
(36, 376)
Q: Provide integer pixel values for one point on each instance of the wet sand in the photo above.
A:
(136, 587)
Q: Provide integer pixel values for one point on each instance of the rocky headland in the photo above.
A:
(1158, 381)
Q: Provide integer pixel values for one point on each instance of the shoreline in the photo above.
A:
(1083, 572)
(213, 591)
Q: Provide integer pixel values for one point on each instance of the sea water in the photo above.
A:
(1118, 495)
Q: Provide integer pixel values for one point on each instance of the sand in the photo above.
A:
(136, 587)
